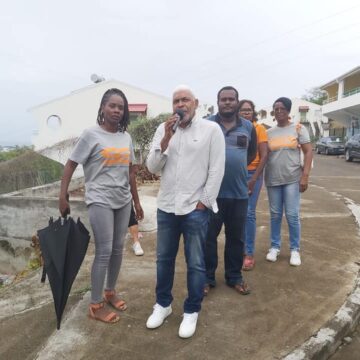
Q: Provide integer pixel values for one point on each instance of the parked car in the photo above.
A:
(352, 148)
(330, 145)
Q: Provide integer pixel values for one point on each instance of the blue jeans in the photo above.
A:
(251, 214)
(232, 213)
(285, 197)
(193, 227)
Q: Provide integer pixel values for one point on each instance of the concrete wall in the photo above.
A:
(48, 191)
(22, 216)
(24, 212)
(60, 152)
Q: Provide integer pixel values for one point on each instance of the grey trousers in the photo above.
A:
(109, 227)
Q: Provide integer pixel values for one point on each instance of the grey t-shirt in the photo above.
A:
(105, 157)
(283, 165)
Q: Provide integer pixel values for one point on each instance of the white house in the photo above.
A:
(343, 101)
(304, 112)
(62, 120)
(66, 117)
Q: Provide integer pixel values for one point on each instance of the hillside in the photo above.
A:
(28, 170)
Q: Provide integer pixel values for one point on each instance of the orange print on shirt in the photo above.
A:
(287, 141)
(116, 156)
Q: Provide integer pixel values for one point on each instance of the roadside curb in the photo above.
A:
(325, 342)
(329, 337)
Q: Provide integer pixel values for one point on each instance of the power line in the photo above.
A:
(286, 49)
(281, 35)
(287, 60)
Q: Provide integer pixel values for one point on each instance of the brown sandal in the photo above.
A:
(98, 312)
(242, 289)
(112, 299)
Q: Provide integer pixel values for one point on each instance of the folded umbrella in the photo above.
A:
(63, 243)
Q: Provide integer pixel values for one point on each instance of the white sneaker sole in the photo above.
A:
(188, 333)
(271, 259)
(155, 327)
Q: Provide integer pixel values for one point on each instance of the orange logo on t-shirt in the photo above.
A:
(116, 156)
(285, 141)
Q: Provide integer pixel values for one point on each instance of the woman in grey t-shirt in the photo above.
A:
(285, 178)
(106, 153)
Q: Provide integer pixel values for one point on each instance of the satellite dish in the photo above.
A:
(96, 78)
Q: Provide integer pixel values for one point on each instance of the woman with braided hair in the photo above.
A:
(106, 153)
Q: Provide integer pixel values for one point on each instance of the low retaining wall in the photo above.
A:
(47, 191)
(24, 212)
(22, 216)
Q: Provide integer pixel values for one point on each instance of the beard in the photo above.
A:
(227, 115)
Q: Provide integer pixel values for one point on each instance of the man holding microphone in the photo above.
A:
(189, 153)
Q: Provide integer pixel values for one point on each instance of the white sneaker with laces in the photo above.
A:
(138, 249)
(272, 254)
(188, 325)
(158, 316)
(295, 259)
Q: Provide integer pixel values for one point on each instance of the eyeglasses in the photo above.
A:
(246, 110)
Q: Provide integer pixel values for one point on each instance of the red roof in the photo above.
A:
(138, 108)
(303, 108)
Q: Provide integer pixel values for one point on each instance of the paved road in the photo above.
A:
(337, 167)
(333, 165)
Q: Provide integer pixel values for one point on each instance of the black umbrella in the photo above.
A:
(63, 245)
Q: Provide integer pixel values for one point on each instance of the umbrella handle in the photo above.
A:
(64, 218)
(43, 275)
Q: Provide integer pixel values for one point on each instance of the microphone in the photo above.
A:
(180, 115)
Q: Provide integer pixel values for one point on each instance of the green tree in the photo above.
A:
(142, 131)
(315, 95)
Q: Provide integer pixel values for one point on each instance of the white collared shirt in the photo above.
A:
(191, 168)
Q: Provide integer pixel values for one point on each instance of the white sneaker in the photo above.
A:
(158, 316)
(295, 259)
(272, 254)
(137, 249)
(188, 325)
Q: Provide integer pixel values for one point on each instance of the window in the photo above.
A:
(303, 117)
(53, 122)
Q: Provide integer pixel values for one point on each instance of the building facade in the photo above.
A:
(343, 101)
(66, 117)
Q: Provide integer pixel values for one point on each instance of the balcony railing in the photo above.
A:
(329, 100)
(352, 92)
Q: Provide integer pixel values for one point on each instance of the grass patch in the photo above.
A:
(29, 169)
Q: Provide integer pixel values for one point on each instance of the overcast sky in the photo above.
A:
(265, 49)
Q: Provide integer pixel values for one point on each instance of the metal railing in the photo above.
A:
(329, 100)
(352, 92)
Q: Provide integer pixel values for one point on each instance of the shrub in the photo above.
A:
(142, 131)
